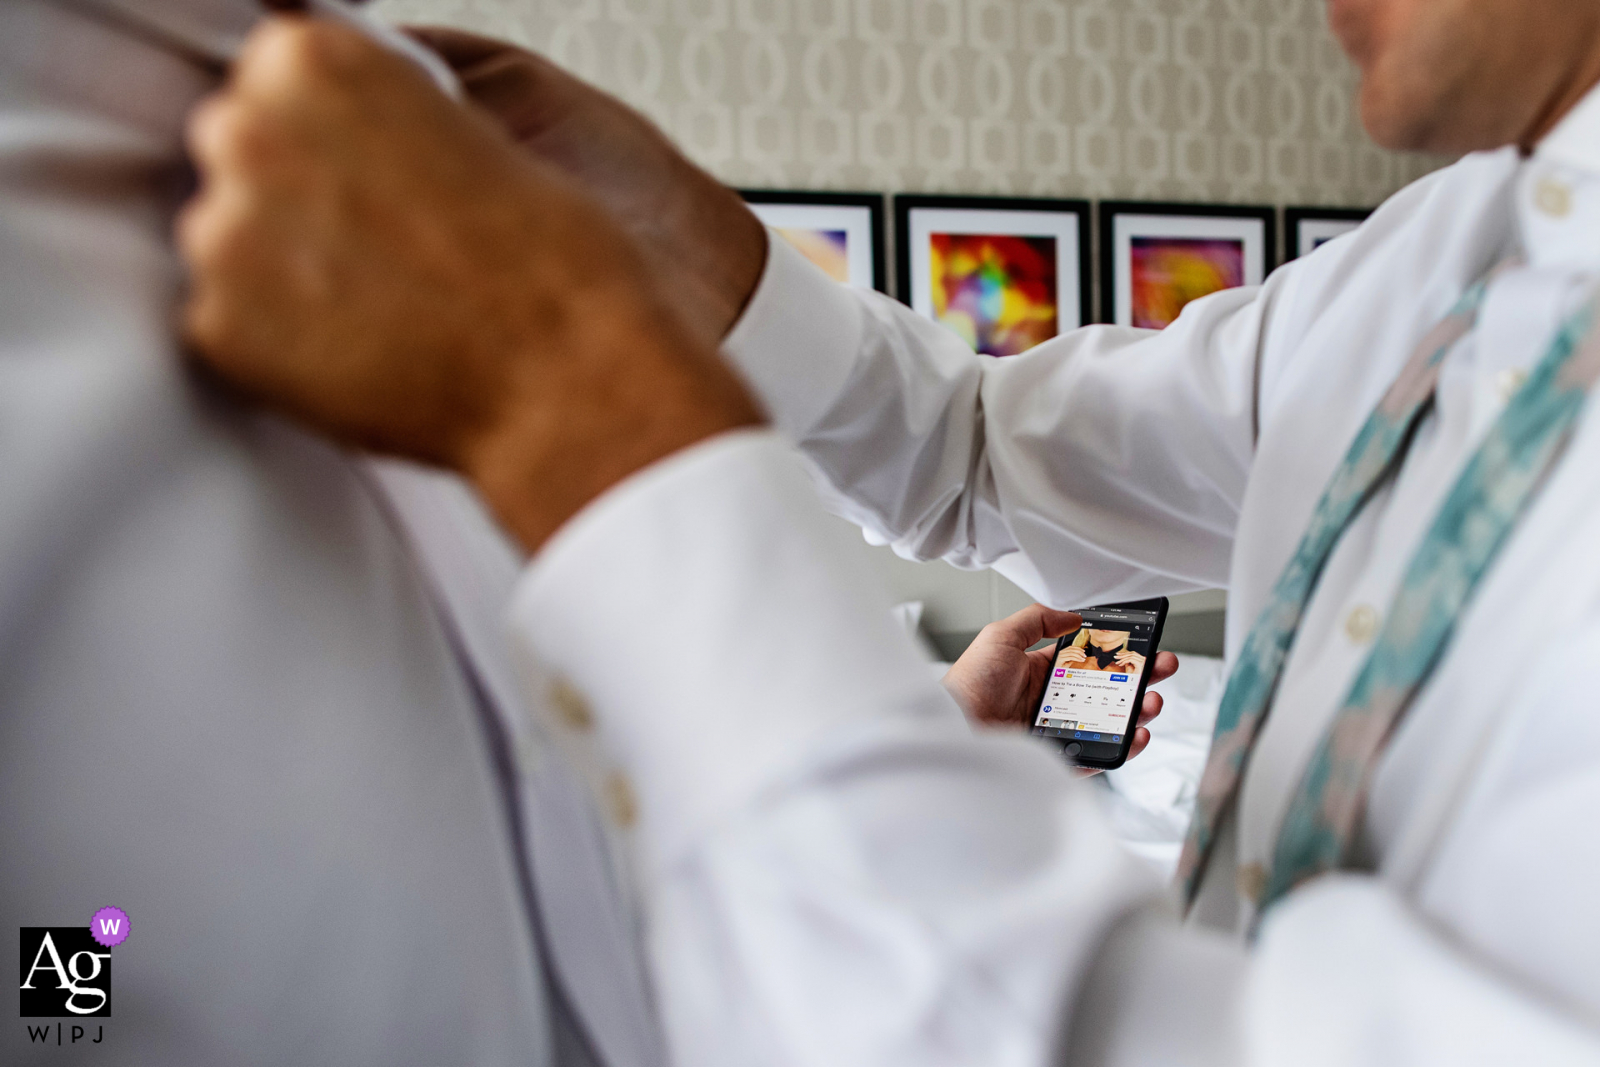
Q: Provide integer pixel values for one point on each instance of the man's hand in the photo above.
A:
(696, 235)
(997, 680)
(388, 266)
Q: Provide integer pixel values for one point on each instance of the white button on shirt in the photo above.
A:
(1361, 625)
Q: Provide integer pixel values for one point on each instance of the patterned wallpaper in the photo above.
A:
(1219, 100)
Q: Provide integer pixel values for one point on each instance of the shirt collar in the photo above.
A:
(1558, 193)
(1575, 140)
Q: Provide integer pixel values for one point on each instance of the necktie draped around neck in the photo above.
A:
(1479, 513)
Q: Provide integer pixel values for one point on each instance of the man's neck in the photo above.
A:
(1561, 102)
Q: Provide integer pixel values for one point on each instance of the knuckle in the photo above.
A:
(293, 42)
(290, 55)
(231, 138)
(191, 230)
(199, 230)
(212, 127)
(212, 242)
(205, 327)
(329, 48)
(275, 46)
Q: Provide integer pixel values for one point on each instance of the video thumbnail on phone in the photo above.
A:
(1094, 680)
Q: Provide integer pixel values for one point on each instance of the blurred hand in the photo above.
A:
(997, 681)
(386, 265)
(698, 239)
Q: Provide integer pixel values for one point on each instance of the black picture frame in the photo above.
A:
(1079, 211)
(875, 203)
(1110, 210)
(1294, 216)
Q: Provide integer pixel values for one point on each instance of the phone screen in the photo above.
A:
(1096, 681)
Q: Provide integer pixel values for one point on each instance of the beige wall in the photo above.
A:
(1219, 100)
(1230, 100)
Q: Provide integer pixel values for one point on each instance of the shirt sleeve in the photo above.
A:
(1107, 463)
(834, 869)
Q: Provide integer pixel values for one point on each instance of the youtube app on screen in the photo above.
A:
(1094, 680)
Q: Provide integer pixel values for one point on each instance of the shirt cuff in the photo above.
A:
(798, 338)
(702, 628)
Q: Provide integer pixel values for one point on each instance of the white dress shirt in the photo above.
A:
(253, 692)
(836, 871)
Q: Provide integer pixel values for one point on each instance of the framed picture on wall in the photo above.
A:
(1304, 228)
(840, 232)
(1155, 258)
(1003, 273)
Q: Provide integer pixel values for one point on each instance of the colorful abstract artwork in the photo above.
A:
(828, 249)
(841, 233)
(1168, 272)
(1158, 257)
(998, 291)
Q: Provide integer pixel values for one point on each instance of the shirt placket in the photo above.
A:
(1520, 313)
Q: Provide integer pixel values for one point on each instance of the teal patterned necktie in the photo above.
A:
(1462, 541)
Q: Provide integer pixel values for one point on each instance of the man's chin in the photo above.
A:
(1406, 117)
(1391, 127)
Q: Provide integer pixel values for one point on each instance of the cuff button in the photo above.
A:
(620, 802)
(570, 706)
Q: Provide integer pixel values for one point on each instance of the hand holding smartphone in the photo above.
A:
(1091, 698)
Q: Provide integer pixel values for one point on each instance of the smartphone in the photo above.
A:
(1090, 704)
